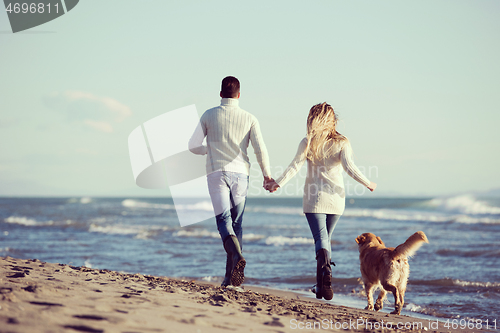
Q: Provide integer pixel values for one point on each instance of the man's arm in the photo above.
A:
(260, 150)
(196, 142)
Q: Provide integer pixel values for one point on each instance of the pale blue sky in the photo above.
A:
(415, 84)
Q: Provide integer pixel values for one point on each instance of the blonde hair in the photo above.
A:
(321, 132)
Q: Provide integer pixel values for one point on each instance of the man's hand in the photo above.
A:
(372, 186)
(270, 184)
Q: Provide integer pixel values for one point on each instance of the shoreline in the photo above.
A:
(36, 296)
(344, 300)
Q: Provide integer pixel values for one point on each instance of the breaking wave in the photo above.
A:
(131, 203)
(282, 240)
(460, 209)
(26, 221)
(140, 231)
(449, 282)
(464, 204)
(199, 205)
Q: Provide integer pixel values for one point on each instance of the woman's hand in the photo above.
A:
(270, 184)
(372, 186)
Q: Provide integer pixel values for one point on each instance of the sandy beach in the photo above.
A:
(36, 296)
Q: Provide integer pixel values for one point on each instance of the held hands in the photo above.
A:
(372, 186)
(270, 184)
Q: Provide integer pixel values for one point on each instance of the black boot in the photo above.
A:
(319, 280)
(323, 275)
(233, 249)
(229, 267)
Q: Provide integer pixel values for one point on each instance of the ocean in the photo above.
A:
(455, 276)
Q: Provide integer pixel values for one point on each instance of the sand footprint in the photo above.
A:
(45, 303)
(17, 275)
(84, 328)
(90, 317)
(276, 322)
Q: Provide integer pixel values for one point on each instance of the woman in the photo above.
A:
(327, 152)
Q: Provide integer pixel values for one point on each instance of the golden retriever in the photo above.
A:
(386, 267)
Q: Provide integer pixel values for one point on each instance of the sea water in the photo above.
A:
(456, 275)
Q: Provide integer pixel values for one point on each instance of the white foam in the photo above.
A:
(280, 210)
(413, 307)
(282, 240)
(407, 215)
(82, 200)
(197, 233)
(85, 200)
(117, 229)
(465, 204)
(22, 220)
(398, 215)
(252, 237)
(140, 204)
(196, 206)
(141, 231)
(205, 206)
(147, 234)
(460, 209)
(144, 235)
(286, 226)
(87, 264)
(476, 284)
(210, 278)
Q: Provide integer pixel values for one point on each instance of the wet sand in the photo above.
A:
(46, 297)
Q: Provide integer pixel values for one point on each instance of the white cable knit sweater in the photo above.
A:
(229, 130)
(324, 187)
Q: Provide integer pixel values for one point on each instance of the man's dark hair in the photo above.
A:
(230, 87)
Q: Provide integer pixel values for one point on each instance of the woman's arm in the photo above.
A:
(351, 168)
(295, 165)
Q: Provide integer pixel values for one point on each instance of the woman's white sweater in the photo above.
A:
(324, 187)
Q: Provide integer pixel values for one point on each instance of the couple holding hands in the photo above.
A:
(229, 130)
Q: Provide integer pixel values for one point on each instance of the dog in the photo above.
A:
(386, 267)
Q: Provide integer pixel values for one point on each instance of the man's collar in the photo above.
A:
(229, 101)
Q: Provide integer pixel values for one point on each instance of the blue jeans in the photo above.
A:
(228, 191)
(322, 226)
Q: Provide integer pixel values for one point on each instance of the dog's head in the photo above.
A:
(368, 239)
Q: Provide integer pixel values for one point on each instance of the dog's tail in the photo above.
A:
(412, 244)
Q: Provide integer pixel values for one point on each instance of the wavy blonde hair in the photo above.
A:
(321, 131)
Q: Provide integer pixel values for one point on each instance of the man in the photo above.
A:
(229, 130)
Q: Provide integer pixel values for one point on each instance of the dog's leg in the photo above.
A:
(397, 297)
(402, 290)
(401, 286)
(369, 295)
(379, 304)
(401, 299)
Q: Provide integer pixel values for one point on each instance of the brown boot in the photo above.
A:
(318, 289)
(233, 249)
(229, 267)
(324, 275)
